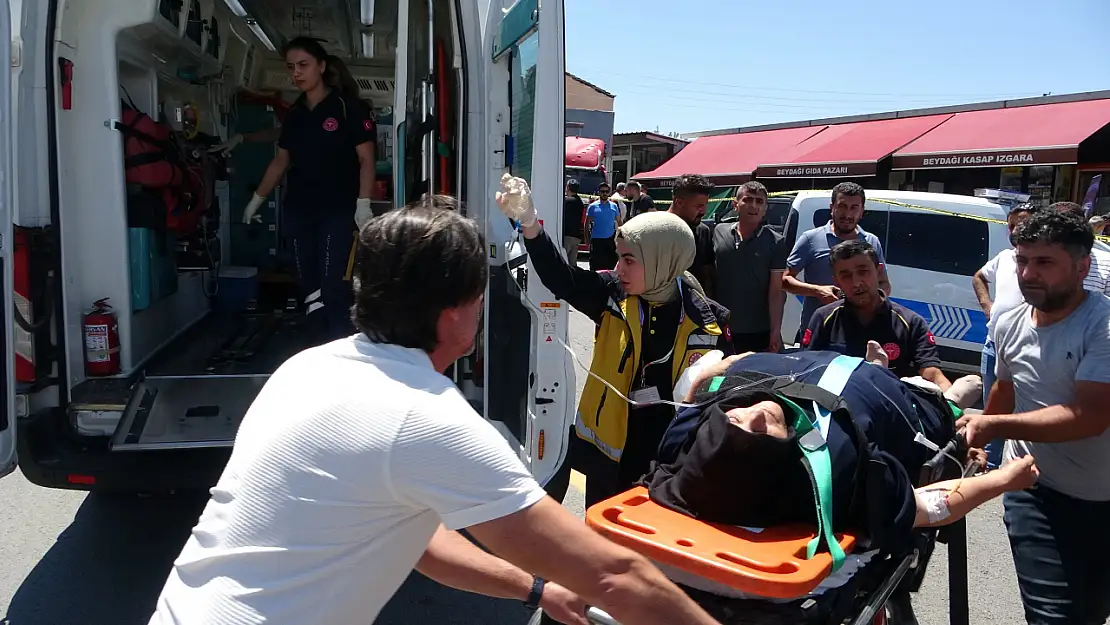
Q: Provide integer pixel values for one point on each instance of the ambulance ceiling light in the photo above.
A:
(261, 34)
(368, 45)
(367, 12)
(236, 8)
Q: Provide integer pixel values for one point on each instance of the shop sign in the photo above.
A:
(816, 170)
(1008, 158)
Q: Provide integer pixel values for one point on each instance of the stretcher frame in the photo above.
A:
(872, 611)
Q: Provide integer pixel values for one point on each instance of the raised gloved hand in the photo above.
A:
(226, 147)
(363, 212)
(515, 200)
(252, 208)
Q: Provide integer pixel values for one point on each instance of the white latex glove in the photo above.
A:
(252, 208)
(363, 212)
(227, 146)
(515, 200)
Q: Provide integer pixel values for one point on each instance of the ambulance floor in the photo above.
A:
(244, 344)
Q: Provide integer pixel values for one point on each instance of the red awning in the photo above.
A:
(1046, 134)
(848, 150)
(730, 159)
(584, 152)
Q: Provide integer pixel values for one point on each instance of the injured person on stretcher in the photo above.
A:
(806, 439)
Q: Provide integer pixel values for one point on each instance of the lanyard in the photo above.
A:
(681, 318)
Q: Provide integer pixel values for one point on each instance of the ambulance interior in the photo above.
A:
(205, 313)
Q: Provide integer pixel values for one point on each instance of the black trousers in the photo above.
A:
(750, 341)
(321, 252)
(603, 254)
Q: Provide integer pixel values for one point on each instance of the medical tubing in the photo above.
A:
(642, 404)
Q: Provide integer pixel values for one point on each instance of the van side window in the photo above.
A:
(873, 221)
(939, 243)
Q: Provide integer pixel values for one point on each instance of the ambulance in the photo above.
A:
(141, 317)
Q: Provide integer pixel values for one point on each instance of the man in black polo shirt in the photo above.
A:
(747, 261)
(638, 201)
(865, 316)
(690, 199)
(574, 215)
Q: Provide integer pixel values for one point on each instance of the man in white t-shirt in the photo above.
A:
(1001, 271)
(359, 459)
(1098, 278)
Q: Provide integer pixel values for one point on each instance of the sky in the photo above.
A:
(696, 65)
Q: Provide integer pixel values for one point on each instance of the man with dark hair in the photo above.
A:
(359, 459)
(574, 216)
(1098, 278)
(603, 217)
(811, 251)
(1001, 271)
(867, 324)
(747, 261)
(1050, 402)
(690, 199)
(639, 202)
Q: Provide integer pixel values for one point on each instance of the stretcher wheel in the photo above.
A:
(770, 563)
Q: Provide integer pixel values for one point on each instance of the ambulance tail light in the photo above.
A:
(24, 308)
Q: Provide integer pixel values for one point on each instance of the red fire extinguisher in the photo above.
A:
(101, 332)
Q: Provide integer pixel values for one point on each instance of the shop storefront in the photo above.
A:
(1038, 150)
(858, 151)
(1054, 148)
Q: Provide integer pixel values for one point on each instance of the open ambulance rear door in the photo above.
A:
(7, 213)
(525, 92)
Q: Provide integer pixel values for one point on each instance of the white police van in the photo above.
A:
(467, 90)
(933, 243)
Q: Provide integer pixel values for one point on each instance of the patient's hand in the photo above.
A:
(978, 456)
(1020, 473)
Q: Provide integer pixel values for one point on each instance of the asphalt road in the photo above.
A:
(71, 559)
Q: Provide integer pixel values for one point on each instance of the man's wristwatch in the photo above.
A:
(534, 597)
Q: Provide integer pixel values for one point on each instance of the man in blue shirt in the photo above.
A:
(603, 217)
(811, 252)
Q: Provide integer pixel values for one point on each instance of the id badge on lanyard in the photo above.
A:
(650, 394)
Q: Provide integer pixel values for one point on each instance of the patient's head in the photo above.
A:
(766, 417)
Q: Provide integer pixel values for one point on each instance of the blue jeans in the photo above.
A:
(986, 371)
(1059, 545)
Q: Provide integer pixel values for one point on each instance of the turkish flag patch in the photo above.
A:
(932, 339)
(807, 337)
(728, 334)
(367, 124)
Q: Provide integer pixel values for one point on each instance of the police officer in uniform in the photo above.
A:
(327, 147)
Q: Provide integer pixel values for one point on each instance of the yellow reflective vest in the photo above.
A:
(602, 417)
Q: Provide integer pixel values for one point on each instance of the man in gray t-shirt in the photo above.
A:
(1052, 401)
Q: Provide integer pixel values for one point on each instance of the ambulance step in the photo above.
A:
(185, 412)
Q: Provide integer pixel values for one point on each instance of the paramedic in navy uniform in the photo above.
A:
(327, 146)
(866, 315)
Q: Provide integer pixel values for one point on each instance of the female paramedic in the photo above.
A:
(654, 322)
(327, 146)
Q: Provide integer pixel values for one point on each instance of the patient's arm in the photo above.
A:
(965, 495)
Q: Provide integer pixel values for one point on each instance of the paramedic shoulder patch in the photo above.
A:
(807, 337)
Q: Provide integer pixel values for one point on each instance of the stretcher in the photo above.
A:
(769, 567)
